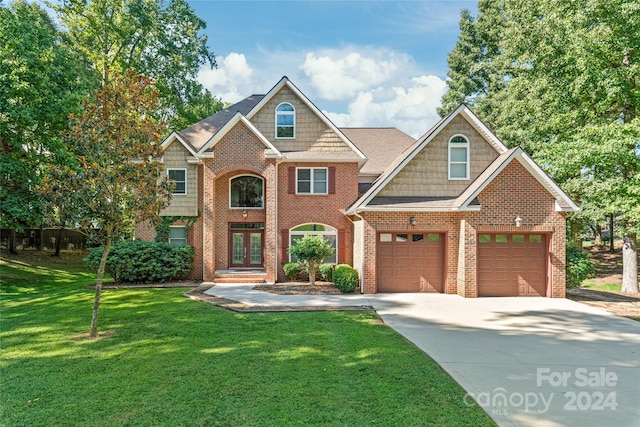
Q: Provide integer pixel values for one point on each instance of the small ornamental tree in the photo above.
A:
(116, 179)
(310, 252)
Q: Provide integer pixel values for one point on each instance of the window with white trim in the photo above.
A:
(329, 233)
(177, 235)
(312, 180)
(458, 157)
(285, 121)
(179, 177)
(246, 191)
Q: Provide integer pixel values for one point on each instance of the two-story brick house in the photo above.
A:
(454, 211)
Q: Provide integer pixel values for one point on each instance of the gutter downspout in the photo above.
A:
(361, 279)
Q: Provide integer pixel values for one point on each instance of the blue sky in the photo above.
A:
(363, 63)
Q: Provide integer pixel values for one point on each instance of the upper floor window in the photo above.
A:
(179, 178)
(246, 191)
(312, 180)
(285, 121)
(458, 157)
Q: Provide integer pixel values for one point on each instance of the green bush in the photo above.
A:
(326, 272)
(292, 270)
(579, 266)
(345, 278)
(136, 261)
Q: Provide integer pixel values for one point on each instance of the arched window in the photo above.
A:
(458, 157)
(246, 191)
(285, 121)
(329, 233)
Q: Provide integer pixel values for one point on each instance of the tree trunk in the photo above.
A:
(312, 273)
(630, 263)
(597, 235)
(12, 242)
(96, 299)
(58, 241)
(611, 234)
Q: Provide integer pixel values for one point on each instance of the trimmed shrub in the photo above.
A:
(579, 266)
(292, 270)
(137, 261)
(345, 278)
(326, 272)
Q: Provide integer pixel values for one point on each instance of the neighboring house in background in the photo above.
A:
(454, 211)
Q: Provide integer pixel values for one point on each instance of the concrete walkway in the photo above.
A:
(527, 361)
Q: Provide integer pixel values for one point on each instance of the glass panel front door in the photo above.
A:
(237, 248)
(255, 247)
(246, 248)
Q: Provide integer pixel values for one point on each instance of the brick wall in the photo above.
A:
(294, 209)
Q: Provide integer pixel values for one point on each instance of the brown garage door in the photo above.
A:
(410, 262)
(512, 264)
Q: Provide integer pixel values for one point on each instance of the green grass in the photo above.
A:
(614, 287)
(171, 361)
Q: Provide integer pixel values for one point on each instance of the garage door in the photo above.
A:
(512, 264)
(410, 262)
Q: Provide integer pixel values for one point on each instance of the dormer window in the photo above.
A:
(285, 121)
(458, 158)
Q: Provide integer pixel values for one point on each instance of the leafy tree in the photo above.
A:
(571, 74)
(310, 252)
(474, 69)
(41, 82)
(160, 39)
(117, 178)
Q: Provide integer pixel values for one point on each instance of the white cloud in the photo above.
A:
(355, 86)
(339, 75)
(411, 107)
(231, 81)
(383, 88)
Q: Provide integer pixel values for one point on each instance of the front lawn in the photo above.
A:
(168, 360)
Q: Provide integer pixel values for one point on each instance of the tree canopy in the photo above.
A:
(41, 82)
(160, 39)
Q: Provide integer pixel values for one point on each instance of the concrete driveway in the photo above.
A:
(527, 361)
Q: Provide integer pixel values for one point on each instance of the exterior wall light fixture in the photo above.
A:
(245, 214)
(518, 221)
(412, 221)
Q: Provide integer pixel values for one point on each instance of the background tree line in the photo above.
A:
(47, 71)
(561, 78)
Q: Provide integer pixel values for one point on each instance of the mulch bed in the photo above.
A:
(298, 288)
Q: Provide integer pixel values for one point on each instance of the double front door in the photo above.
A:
(246, 245)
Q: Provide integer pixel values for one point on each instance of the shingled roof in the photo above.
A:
(201, 132)
(381, 146)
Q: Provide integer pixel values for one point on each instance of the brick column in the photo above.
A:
(208, 222)
(467, 250)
